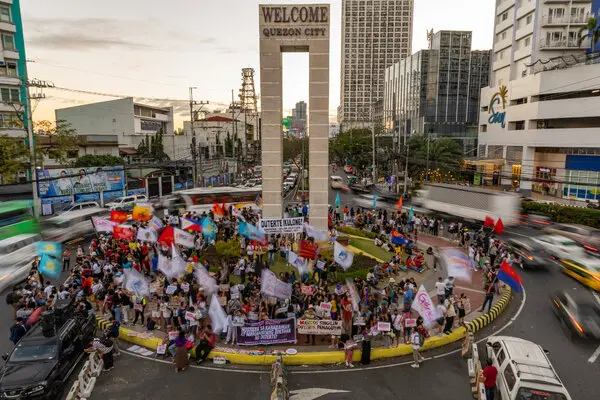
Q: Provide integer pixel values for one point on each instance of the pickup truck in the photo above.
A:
(41, 363)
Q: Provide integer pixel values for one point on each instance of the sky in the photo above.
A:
(155, 50)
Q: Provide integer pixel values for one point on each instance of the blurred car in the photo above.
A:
(585, 269)
(533, 220)
(81, 206)
(578, 315)
(530, 254)
(558, 246)
(586, 236)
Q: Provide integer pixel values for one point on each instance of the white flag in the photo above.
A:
(164, 265)
(217, 316)
(425, 307)
(147, 235)
(318, 234)
(271, 286)
(136, 283)
(156, 223)
(297, 262)
(207, 282)
(178, 264)
(353, 294)
(183, 238)
(342, 256)
(103, 225)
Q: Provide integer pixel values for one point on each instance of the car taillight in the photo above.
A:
(577, 325)
(530, 258)
(590, 248)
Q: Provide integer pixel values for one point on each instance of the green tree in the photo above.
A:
(14, 157)
(292, 149)
(592, 31)
(445, 155)
(91, 160)
(143, 148)
(354, 146)
(152, 148)
(62, 141)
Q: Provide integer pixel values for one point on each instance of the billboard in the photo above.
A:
(69, 181)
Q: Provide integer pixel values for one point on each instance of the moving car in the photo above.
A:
(16, 255)
(127, 202)
(42, 361)
(524, 370)
(586, 236)
(578, 316)
(337, 182)
(558, 246)
(72, 225)
(81, 206)
(530, 253)
(585, 269)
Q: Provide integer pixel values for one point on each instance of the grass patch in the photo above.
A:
(369, 247)
(356, 232)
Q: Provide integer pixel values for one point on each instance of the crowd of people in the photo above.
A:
(97, 283)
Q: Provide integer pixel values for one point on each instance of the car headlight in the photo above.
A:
(40, 387)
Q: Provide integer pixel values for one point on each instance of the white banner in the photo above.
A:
(425, 307)
(271, 286)
(319, 327)
(103, 225)
(281, 225)
(147, 235)
(183, 238)
(342, 256)
(136, 283)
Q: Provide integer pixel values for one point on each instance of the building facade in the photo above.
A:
(539, 123)
(13, 71)
(375, 35)
(298, 122)
(131, 122)
(436, 92)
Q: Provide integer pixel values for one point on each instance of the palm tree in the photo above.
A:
(445, 155)
(590, 30)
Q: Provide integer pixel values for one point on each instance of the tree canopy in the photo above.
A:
(354, 146)
(91, 160)
(14, 157)
(152, 148)
(445, 156)
(292, 148)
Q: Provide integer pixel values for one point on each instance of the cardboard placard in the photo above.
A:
(224, 286)
(305, 289)
(325, 306)
(173, 335)
(171, 289)
(190, 316)
(161, 349)
(252, 316)
(410, 322)
(185, 287)
(383, 326)
(360, 321)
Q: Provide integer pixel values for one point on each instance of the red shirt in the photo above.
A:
(346, 310)
(490, 373)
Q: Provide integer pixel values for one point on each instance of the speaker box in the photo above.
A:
(63, 310)
(48, 323)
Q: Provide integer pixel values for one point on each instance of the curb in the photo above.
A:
(332, 357)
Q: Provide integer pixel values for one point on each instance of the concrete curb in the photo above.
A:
(333, 357)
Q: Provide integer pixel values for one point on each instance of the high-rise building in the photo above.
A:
(13, 70)
(375, 35)
(539, 121)
(299, 117)
(436, 91)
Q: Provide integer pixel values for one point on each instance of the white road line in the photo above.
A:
(594, 356)
(596, 297)
(327, 371)
(469, 289)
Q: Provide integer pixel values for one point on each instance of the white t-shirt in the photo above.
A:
(440, 288)
(441, 310)
(250, 249)
(414, 339)
(48, 290)
(397, 322)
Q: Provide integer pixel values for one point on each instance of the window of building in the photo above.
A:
(528, 19)
(10, 95)
(504, 16)
(483, 128)
(5, 13)
(527, 41)
(9, 68)
(10, 120)
(8, 41)
(503, 35)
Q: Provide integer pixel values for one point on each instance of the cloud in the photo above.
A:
(62, 41)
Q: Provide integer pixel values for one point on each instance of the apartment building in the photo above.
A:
(375, 35)
(435, 92)
(539, 121)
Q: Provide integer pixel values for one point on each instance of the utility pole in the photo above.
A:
(196, 150)
(406, 165)
(373, 144)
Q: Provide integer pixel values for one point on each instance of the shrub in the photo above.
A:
(564, 214)
(356, 232)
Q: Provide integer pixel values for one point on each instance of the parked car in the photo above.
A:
(524, 370)
(578, 316)
(81, 206)
(530, 254)
(127, 202)
(586, 236)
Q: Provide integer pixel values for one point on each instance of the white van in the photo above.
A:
(127, 202)
(81, 206)
(16, 255)
(337, 182)
(524, 370)
(72, 225)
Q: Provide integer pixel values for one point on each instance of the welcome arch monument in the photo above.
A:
(295, 28)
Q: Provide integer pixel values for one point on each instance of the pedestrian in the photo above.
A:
(460, 305)
(489, 297)
(207, 343)
(489, 375)
(440, 290)
(104, 347)
(114, 334)
(417, 341)
(450, 314)
(17, 331)
(66, 260)
(181, 358)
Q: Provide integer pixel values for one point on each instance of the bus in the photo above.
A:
(72, 225)
(16, 218)
(202, 199)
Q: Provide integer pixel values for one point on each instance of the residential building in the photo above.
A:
(539, 123)
(375, 35)
(131, 122)
(13, 70)
(435, 92)
(299, 117)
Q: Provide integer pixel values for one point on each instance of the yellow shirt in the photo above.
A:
(333, 306)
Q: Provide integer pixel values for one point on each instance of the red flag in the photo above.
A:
(399, 204)
(118, 216)
(123, 232)
(508, 275)
(167, 237)
(489, 221)
(499, 227)
(307, 249)
(218, 209)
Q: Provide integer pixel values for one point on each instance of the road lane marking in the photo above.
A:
(594, 356)
(470, 289)
(596, 297)
(313, 393)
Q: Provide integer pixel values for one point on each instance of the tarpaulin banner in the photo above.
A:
(272, 331)
(281, 225)
(271, 286)
(319, 327)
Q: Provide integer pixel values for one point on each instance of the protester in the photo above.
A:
(18, 330)
(104, 347)
(417, 341)
(489, 375)
(206, 344)
(181, 359)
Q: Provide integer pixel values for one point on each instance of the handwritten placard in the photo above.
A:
(173, 335)
(383, 326)
(161, 349)
(305, 289)
(410, 322)
(190, 316)
(325, 306)
(185, 287)
(171, 289)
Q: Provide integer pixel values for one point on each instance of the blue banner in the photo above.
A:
(58, 200)
(131, 192)
(79, 198)
(115, 194)
(68, 181)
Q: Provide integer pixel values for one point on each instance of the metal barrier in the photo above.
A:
(279, 380)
